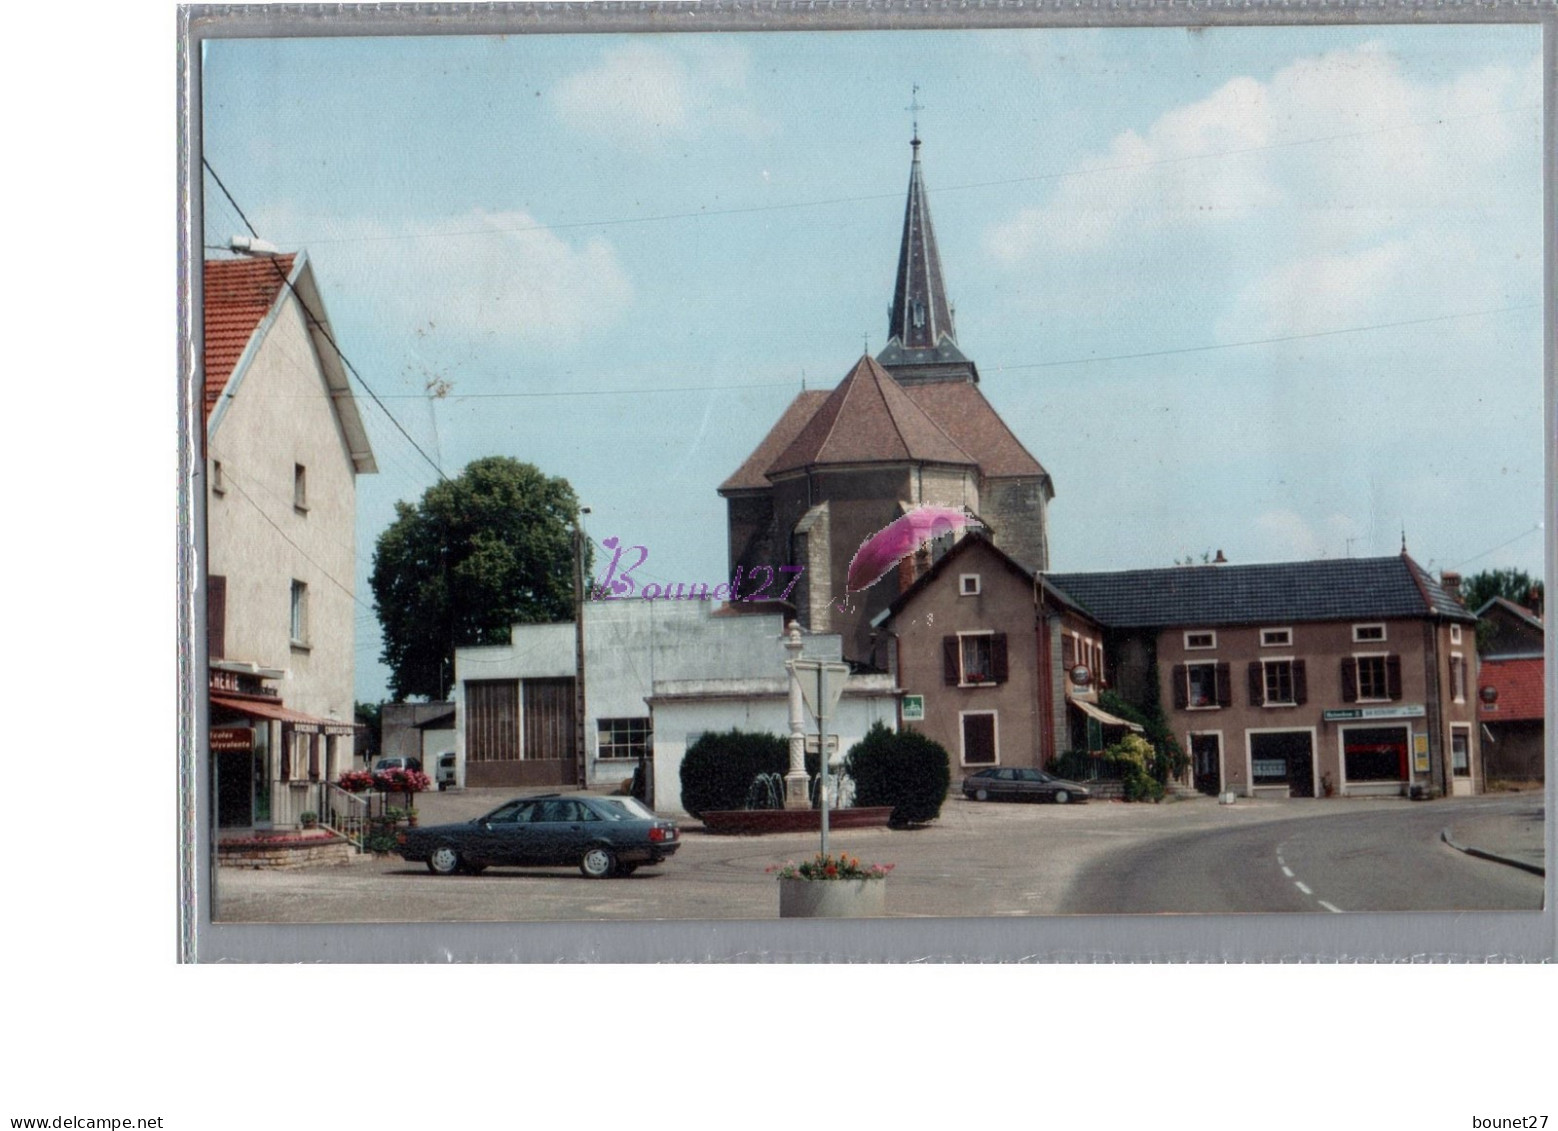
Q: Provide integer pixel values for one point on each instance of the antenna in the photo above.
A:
(914, 108)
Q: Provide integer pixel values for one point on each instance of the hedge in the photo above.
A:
(902, 769)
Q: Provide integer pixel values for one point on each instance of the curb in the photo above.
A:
(1482, 853)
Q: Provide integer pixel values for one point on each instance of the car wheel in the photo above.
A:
(1061, 797)
(598, 862)
(444, 861)
(982, 795)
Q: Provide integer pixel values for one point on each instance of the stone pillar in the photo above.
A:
(796, 794)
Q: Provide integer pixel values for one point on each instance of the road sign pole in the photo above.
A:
(822, 758)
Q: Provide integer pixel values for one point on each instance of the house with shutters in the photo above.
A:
(1512, 644)
(284, 444)
(1004, 670)
(1349, 677)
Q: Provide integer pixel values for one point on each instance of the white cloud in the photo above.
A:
(1339, 188)
(644, 94)
(1286, 535)
(499, 276)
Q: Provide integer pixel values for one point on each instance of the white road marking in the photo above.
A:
(1330, 906)
(1286, 871)
(1303, 887)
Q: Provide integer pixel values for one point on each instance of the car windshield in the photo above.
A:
(625, 808)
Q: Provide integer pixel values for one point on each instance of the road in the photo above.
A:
(978, 860)
(1381, 860)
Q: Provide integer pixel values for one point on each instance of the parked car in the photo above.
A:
(1017, 784)
(397, 764)
(604, 836)
(443, 774)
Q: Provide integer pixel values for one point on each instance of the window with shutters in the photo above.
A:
(974, 659)
(1201, 684)
(216, 616)
(1372, 678)
(1277, 683)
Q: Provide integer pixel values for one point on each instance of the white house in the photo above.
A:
(284, 447)
(657, 674)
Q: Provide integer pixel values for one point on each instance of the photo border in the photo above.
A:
(1507, 936)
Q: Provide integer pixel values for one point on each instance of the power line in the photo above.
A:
(318, 324)
(1500, 546)
(1271, 341)
(1065, 174)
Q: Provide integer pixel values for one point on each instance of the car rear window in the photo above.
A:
(625, 809)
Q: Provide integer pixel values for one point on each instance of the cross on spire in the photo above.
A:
(914, 109)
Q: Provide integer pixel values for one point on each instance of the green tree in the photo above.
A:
(1511, 584)
(368, 715)
(480, 553)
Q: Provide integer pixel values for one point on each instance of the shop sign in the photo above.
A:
(228, 739)
(1411, 711)
(1420, 753)
(914, 708)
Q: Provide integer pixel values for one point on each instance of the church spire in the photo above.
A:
(921, 336)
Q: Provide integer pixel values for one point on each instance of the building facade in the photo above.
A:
(284, 447)
(657, 673)
(1510, 700)
(1354, 677)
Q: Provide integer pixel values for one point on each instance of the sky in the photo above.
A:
(1270, 291)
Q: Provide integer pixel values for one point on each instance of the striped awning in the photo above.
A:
(1104, 716)
(301, 723)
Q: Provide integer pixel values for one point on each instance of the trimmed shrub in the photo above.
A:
(902, 769)
(718, 769)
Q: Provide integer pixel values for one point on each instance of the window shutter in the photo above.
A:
(1224, 685)
(1257, 684)
(951, 662)
(1393, 676)
(998, 657)
(216, 616)
(1181, 688)
(1349, 680)
(1300, 683)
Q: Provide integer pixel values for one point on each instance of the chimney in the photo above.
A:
(1219, 559)
(1534, 601)
(1451, 581)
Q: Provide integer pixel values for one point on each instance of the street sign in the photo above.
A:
(833, 745)
(1412, 711)
(914, 708)
(822, 682)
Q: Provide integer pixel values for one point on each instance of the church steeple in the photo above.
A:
(921, 337)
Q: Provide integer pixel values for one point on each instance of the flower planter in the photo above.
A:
(831, 899)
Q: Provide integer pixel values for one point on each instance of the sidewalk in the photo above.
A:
(1516, 837)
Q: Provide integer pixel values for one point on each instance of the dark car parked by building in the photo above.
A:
(1017, 784)
(604, 836)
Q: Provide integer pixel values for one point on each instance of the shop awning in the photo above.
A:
(1104, 716)
(301, 723)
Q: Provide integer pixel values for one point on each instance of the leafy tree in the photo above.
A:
(480, 553)
(718, 769)
(1511, 584)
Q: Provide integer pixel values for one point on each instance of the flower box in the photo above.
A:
(831, 899)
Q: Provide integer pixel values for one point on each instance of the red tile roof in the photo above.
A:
(961, 409)
(749, 475)
(869, 418)
(1519, 684)
(238, 294)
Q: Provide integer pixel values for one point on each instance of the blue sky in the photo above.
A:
(1270, 291)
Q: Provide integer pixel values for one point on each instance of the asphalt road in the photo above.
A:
(978, 860)
(1383, 860)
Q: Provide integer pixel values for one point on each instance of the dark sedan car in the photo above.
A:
(1021, 785)
(604, 836)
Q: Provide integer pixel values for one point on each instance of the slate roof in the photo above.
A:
(237, 295)
(1519, 684)
(869, 418)
(1334, 589)
(921, 318)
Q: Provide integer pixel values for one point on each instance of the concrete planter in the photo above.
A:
(832, 899)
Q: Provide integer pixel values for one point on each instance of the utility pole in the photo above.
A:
(578, 648)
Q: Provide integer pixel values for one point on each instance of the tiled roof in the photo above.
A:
(749, 475)
(1519, 684)
(1519, 612)
(1337, 589)
(961, 409)
(869, 418)
(238, 294)
(962, 546)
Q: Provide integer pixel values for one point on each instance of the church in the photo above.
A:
(906, 428)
